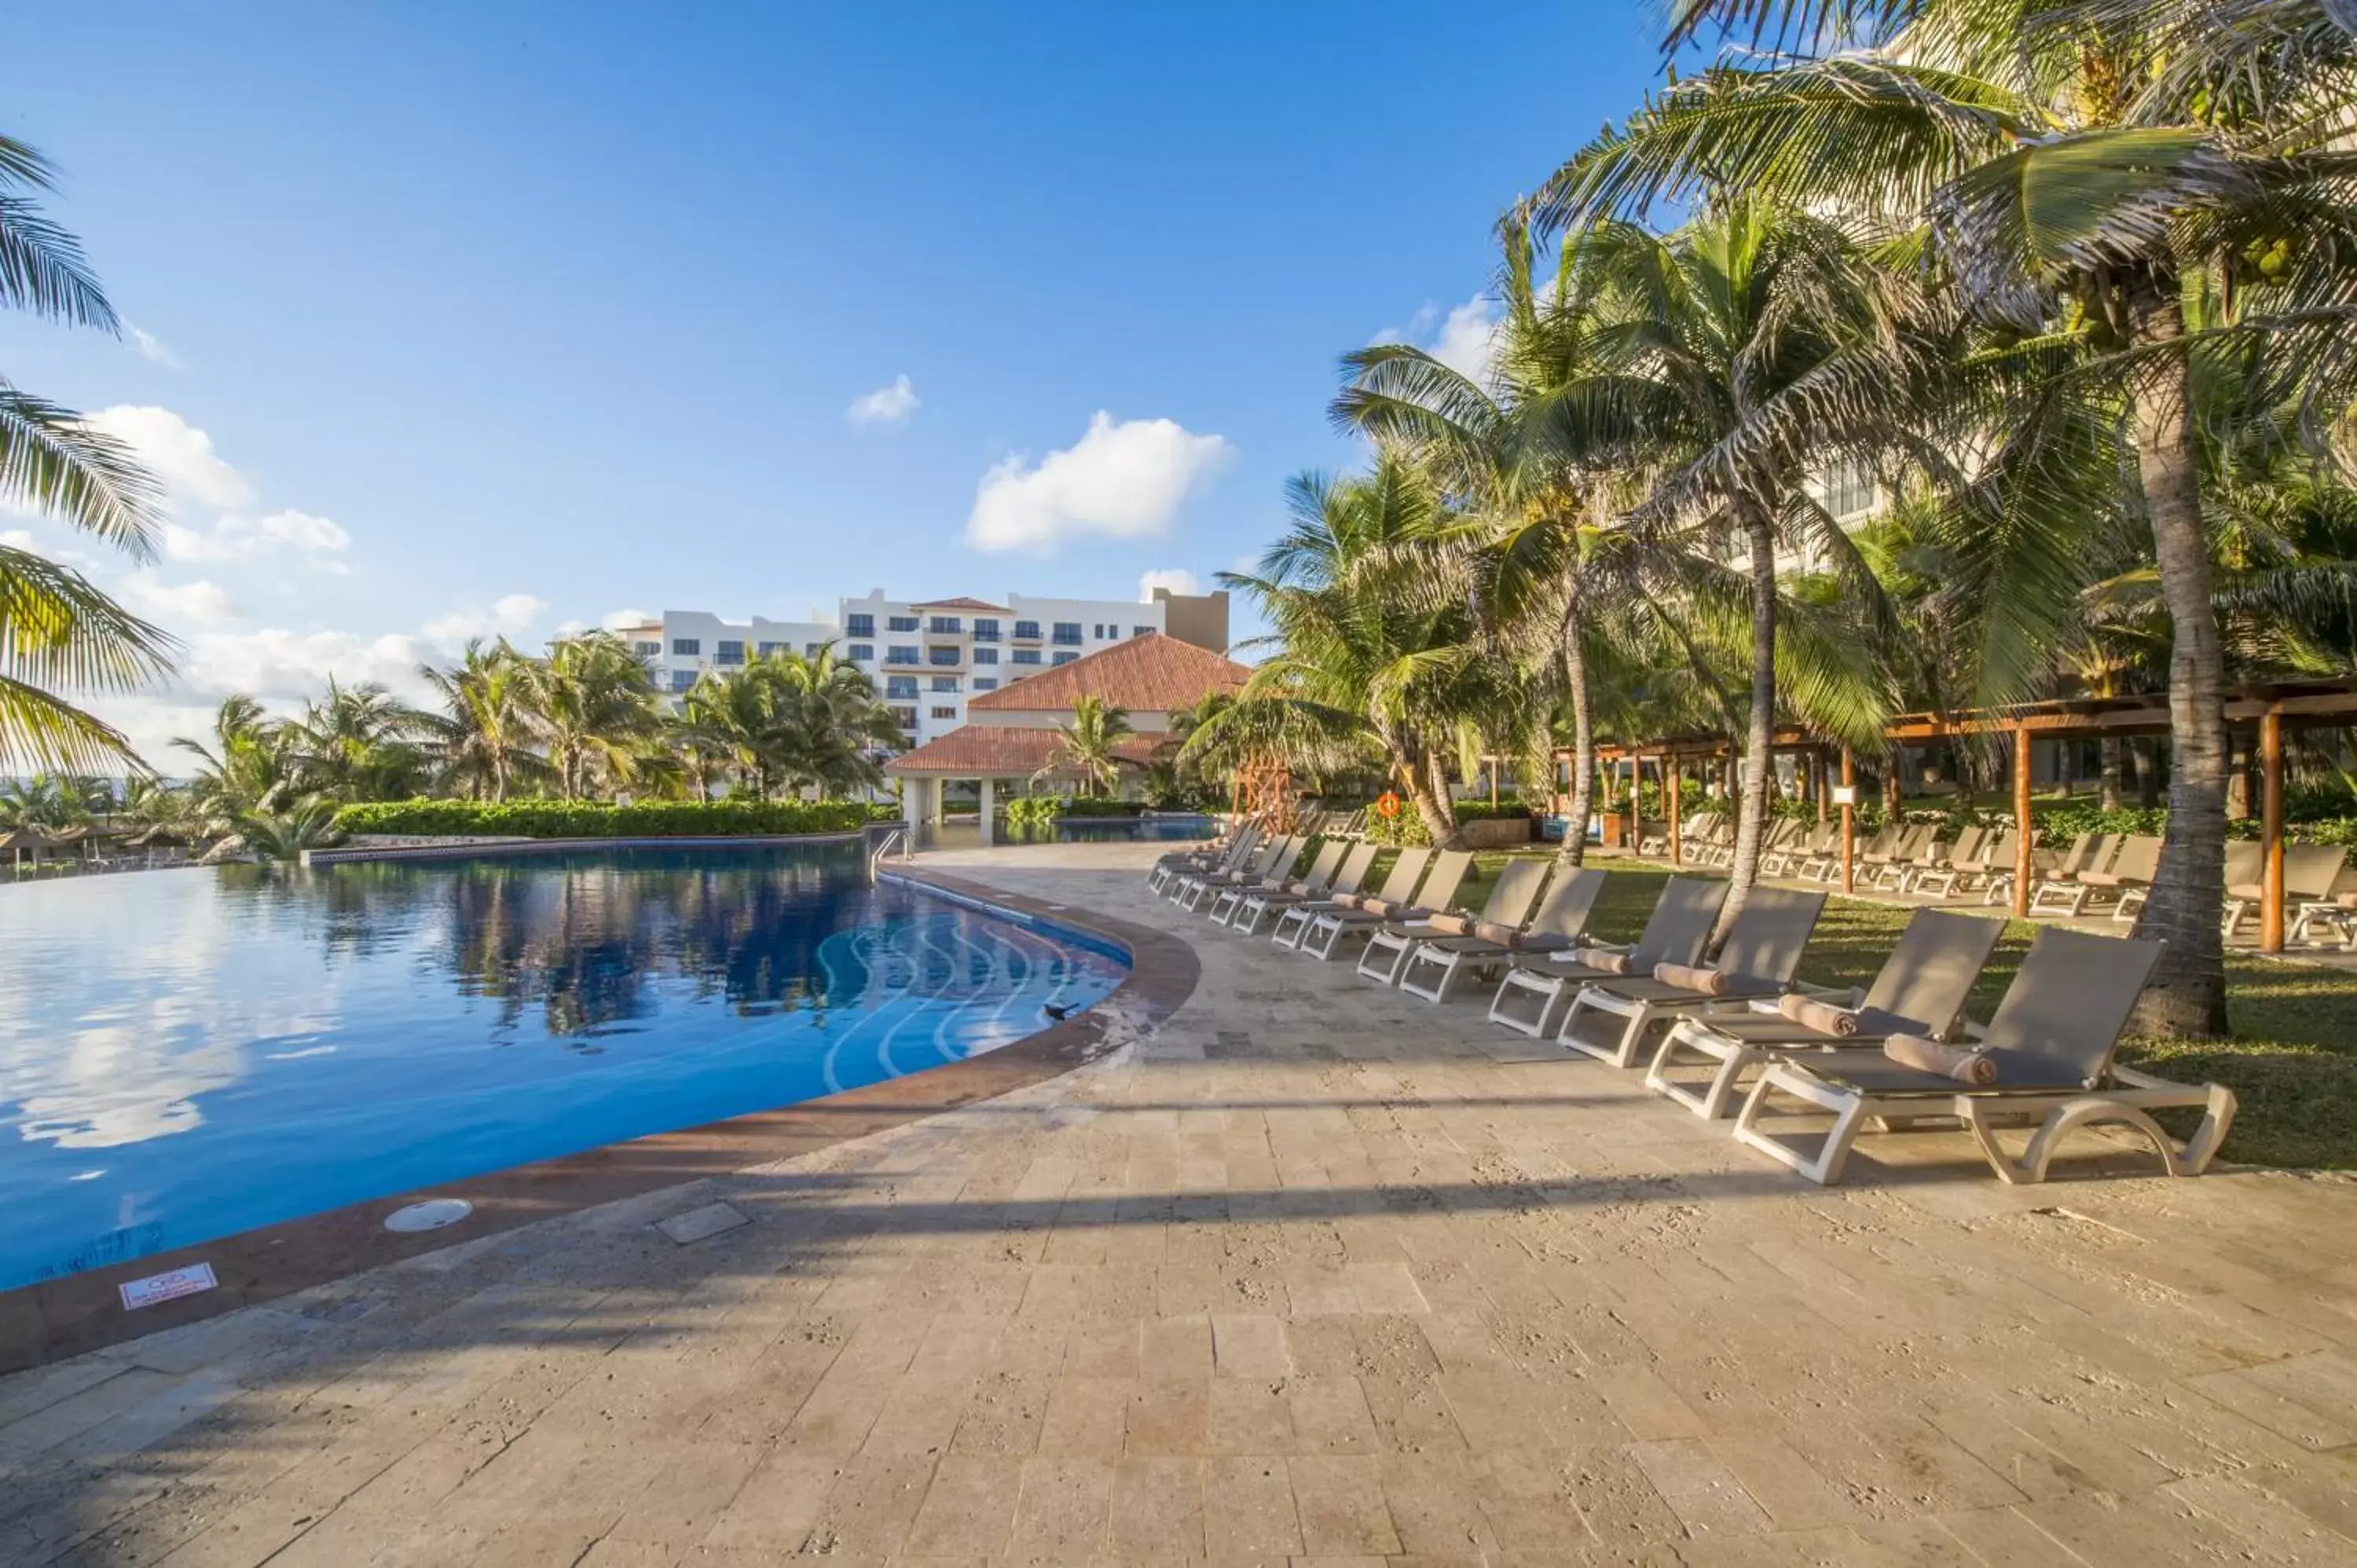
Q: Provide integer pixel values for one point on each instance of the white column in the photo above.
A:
(989, 796)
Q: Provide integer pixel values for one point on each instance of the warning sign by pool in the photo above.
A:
(170, 1285)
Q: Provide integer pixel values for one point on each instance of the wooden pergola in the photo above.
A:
(2268, 710)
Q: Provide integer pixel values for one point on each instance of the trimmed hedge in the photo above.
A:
(587, 820)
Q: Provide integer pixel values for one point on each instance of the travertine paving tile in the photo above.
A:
(1316, 1274)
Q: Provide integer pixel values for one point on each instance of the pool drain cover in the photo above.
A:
(431, 1215)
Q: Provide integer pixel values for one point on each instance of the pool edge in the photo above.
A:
(56, 1320)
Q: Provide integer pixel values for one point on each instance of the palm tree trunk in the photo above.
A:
(1583, 739)
(2186, 996)
(2108, 796)
(1431, 796)
(1761, 732)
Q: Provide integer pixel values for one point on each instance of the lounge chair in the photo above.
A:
(1511, 897)
(1611, 1018)
(2336, 911)
(2050, 1042)
(1346, 880)
(1929, 855)
(1863, 852)
(1920, 990)
(1436, 961)
(1786, 858)
(1938, 879)
(2130, 876)
(1189, 862)
(1881, 861)
(1320, 875)
(1293, 926)
(1436, 896)
(1272, 859)
(2060, 890)
(1674, 933)
(2310, 870)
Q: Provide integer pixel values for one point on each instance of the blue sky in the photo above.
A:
(477, 316)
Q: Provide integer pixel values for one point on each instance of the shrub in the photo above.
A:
(1483, 811)
(581, 819)
(1090, 806)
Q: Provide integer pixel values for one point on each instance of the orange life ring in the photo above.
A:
(1387, 805)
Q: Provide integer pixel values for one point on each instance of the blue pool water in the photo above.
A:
(1160, 830)
(187, 1054)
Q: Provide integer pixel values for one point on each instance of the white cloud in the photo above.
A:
(615, 621)
(511, 615)
(154, 349)
(1123, 481)
(884, 405)
(287, 666)
(178, 454)
(236, 538)
(1464, 338)
(17, 538)
(1177, 579)
(177, 604)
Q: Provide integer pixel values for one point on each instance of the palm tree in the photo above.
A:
(248, 766)
(736, 714)
(353, 745)
(1370, 595)
(837, 730)
(592, 702)
(481, 740)
(307, 823)
(2070, 169)
(1736, 357)
(1088, 747)
(56, 630)
(45, 800)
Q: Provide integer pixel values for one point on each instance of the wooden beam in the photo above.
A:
(2027, 835)
(1849, 823)
(1672, 782)
(2271, 831)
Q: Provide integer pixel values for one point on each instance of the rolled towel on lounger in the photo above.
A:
(1490, 931)
(1452, 924)
(1822, 1016)
(1971, 1067)
(1687, 977)
(1609, 962)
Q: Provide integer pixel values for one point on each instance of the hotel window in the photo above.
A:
(1140, 630)
(647, 650)
(1068, 632)
(681, 680)
(905, 717)
(1066, 658)
(900, 686)
(863, 650)
(985, 656)
(1026, 656)
(899, 653)
(1849, 490)
(729, 653)
(985, 629)
(945, 713)
(903, 622)
(945, 626)
(945, 655)
(810, 650)
(766, 650)
(945, 683)
(985, 682)
(685, 647)
(1028, 629)
(860, 625)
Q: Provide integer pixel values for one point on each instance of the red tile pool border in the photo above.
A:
(57, 1318)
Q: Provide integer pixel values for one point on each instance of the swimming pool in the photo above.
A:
(189, 1054)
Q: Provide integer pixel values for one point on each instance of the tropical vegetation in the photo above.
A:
(2062, 292)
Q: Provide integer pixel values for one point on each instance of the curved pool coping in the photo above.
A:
(56, 1319)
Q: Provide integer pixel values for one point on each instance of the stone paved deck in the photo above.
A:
(1318, 1273)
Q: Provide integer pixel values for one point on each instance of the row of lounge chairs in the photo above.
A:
(1739, 1033)
(2098, 874)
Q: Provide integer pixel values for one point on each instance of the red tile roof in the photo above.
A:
(1153, 673)
(957, 605)
(1004, 751)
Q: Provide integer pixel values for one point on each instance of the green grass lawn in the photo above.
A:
(2292, 1062)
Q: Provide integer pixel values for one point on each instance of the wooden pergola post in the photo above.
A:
(2271, 829)
(1670, 784)
(1817, 781)
(2027, 835)
(1849, 823)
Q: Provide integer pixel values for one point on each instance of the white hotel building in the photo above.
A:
(928, 656)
